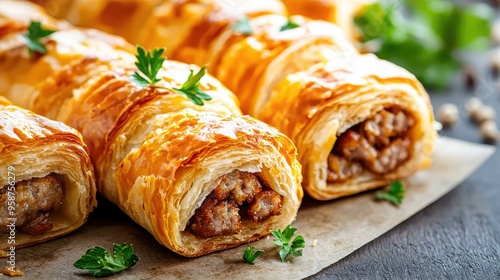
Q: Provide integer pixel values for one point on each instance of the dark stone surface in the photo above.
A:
(457, 237)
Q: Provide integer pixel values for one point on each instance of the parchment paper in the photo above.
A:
(340, 227)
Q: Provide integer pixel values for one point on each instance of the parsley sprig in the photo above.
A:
(100, 263)
(290, 24)
(426, 36)
(149, 64)
(395, 194)
(33, 35)
(288, 247)
(249, 256)
(242, 26)
(191, 88)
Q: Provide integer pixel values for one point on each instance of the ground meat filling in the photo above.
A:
(34, 199)
(379, 144)
(238, 195)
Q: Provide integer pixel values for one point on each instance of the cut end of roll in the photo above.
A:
(238, 196)
(378, 145)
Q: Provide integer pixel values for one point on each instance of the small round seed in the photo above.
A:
(489, 131)
(484, 113)
(473, 104)
(448, 114)
(469, 77)
(495, 60)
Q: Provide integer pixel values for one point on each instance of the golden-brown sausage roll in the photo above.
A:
(200, 26)
(358, 123)
(199, 178)
(206, 182)
(47, 186)
(248, 64)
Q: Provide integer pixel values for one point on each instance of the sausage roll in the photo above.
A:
(358, 123)
(47, 186)
(248, 64)
(229, 184)
(199, 178)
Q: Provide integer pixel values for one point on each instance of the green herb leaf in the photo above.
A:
(100, 263)
(288, 247)
(475, 27)
(149, 64)
(425, 36)
(290, 24)
(191, 88)
(249, 256)
(33, 35)
(242, 26)
(395, 194)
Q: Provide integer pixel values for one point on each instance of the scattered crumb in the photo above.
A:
(267, 237)
(448, 114)
(489, 131)
(437, 126)
(484, 113)
(3, 254)
(11, 271)
(314, 242)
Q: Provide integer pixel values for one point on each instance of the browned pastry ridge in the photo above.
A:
(199, 178)
(48, 187)
(358, 122)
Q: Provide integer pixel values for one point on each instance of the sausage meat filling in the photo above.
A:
(238, 195)
(33, 200)
(379, 144)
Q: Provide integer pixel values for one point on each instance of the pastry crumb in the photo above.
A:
(11, 271)
(314, 242)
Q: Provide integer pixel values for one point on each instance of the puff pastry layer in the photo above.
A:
(358, 123)
(162, 159)
(39, 156)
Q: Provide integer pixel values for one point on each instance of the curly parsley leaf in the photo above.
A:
(191, 88)
(249, 256)
(33, 35)
(395, 194)
(425, 36)
(242, 26)
(100, 263)
(290, 24)
(149, 64)
(288, 247)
